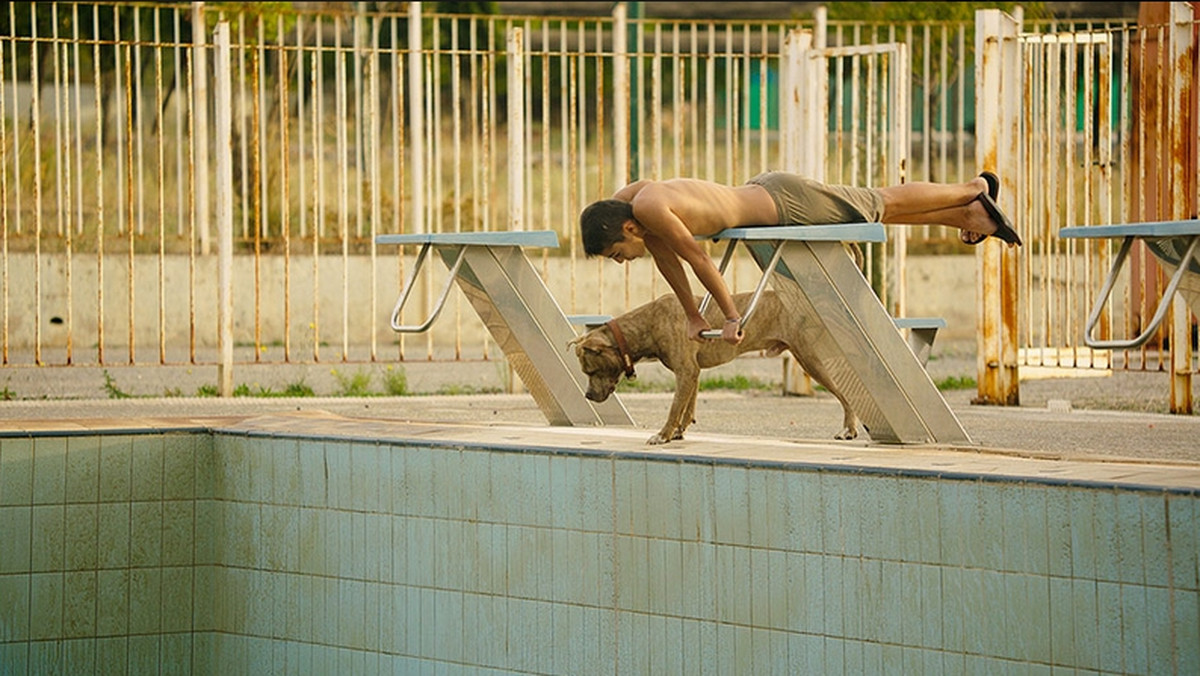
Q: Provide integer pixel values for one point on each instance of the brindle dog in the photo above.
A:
(658, 330)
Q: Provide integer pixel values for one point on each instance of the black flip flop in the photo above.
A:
(1004, 229)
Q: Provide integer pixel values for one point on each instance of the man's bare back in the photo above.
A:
(704, 208)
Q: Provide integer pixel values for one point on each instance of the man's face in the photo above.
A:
(629, 248)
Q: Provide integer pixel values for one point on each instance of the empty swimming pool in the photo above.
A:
(313, 543)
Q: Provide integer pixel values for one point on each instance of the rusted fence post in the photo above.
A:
(998, 104)
(1182, 172)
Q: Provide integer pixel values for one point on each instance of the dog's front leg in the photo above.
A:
(687, 381)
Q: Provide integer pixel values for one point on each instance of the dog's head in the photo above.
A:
(601, 363)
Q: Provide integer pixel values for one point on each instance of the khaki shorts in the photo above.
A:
(802, 201)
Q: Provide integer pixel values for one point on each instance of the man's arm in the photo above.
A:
(667, 253)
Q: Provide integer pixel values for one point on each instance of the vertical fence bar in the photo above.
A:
(224, 151)
(4, 203)
(200, 128)
(285, 202)
(1182, 62)
(36, 128)
(621, 94)
(516, 128)
(416, 119)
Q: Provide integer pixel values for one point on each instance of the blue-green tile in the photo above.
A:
(116, 468)
(781, 588)
(1156, 551)
(82, 481)
(112, 602)
(147, 458)
(629, 495)
(1108, 612)
(804, 526)
(1062, 621)
(731, 505)
(1131, 559)
(566, 485)
(46, 606)
(113, 534)
(953, 517)
(816, 589)
(831, 517)
(1186, 618)
(1157, 626)
(854, 584)
(908, 520)
(771, 526)
(835, 656)
(795, 595)
(759, 507)
(16, 472)
(49, 538)
(859, 516)
(145, 600)
(1087, 612)
(987, 528)
(674, 592)
(1185, 541)
(1087, 526)
(760, 587)
(145, 535)
(806, 654)
(1107, 544)
(888, 540)
(179, 465)
(1060, 531)
(834, 580)
(695, 502)
(1133, 623)
(663, 500)
(79, 604)
(313, 479)
(49, 470)
(954, 609)
(932, 607)
(903, 603)
(79, 657)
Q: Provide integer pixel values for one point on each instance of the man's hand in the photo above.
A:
(732, 333)
(696, 324)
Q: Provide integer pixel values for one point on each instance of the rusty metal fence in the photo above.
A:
(345, 125)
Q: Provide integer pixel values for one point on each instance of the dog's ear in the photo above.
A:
(592, 341)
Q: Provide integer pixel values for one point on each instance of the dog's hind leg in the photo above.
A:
(849, 417)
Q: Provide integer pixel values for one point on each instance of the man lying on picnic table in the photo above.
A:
(666, 217)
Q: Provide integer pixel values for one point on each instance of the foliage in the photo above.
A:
(737, 383)
(395, 381)
(893, 12)
(956, 383)
(357, 384)
(110, 386)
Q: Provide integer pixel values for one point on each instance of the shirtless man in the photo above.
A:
(665, 217)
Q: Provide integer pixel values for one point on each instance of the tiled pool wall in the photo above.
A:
(212, 553)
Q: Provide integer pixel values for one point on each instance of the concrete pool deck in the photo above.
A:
(791, 425)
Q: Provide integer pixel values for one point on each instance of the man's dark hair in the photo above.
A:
(601, 224)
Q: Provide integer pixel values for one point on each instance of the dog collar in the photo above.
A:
(623, 348)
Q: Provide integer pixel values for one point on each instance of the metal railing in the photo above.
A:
(345, 125)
